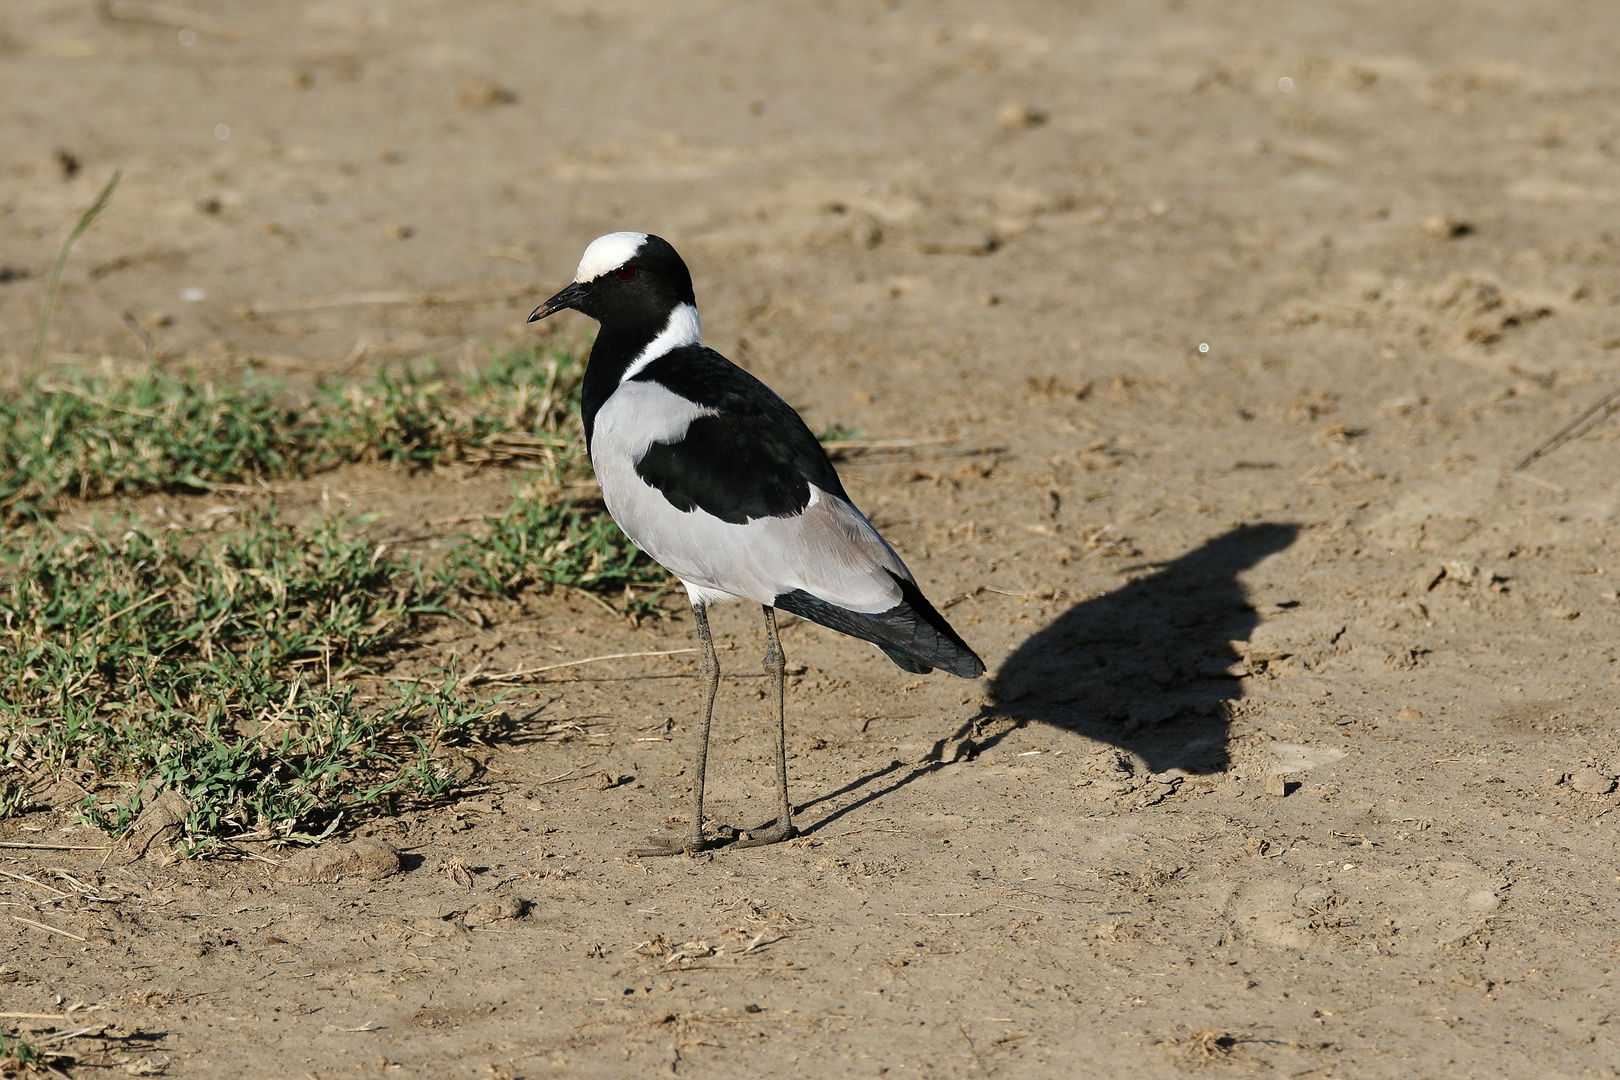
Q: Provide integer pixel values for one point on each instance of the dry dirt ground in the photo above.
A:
(1214, 329)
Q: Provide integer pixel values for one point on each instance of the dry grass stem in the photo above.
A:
(520, 674)
(42, 926)
(1591, 418)
(86, 219)
(33, 881)
(55, 847)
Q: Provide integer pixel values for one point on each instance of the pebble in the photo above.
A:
(1446, 227)
(495, 910)
(1591, 782)
(1016, 116)
(483, 94)
(162, 822)
(367, 858)
(1278, 784)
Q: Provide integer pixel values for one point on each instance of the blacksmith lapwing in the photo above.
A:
(718, 479)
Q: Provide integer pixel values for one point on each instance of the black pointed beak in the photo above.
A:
(569, 297)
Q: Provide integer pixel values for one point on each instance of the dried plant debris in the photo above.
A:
(1203, 1047)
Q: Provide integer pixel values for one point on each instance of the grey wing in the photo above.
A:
(830, 550)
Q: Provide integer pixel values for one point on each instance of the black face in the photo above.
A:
(643, 290)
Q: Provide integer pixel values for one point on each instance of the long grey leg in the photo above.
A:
(709, 679)
(776, 668)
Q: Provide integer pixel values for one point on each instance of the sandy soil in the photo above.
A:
(1216, 327)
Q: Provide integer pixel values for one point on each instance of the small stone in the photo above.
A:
(496, 909)
(1463, 573)
(484, 94)
(1445, 227)
(1591, 782)
(1015, 116)
(367, 858)
(162, 822)
(1279, 785)
(866, 233)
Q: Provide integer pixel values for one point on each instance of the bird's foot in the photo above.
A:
(724, 835)
(774, 833)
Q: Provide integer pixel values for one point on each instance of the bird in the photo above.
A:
(716, 478)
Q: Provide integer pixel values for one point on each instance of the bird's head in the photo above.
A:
(625, 276)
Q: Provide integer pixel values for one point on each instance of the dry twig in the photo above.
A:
(1577, 427)
(57, 847)
(560, 777)
(34, 881)
(42, 926)
(515, 676)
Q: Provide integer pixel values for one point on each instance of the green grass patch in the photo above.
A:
(549, 545)
(214, 664)
(225, 664)
(18, 1057)
(93, 435)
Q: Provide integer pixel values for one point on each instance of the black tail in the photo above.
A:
(913, 634)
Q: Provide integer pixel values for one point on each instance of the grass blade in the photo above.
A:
(86, 219)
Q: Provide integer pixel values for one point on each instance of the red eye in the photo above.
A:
(626, 272)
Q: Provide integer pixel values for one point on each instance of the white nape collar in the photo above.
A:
(683, 328)
(608, 253)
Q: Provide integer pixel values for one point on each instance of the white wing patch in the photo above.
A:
(608, 253)
(635, 416)
(683, 328)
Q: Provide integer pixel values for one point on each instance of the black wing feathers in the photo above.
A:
(753, 458)
(915, 636)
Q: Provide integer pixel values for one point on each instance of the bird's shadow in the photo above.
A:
(1149, 668)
